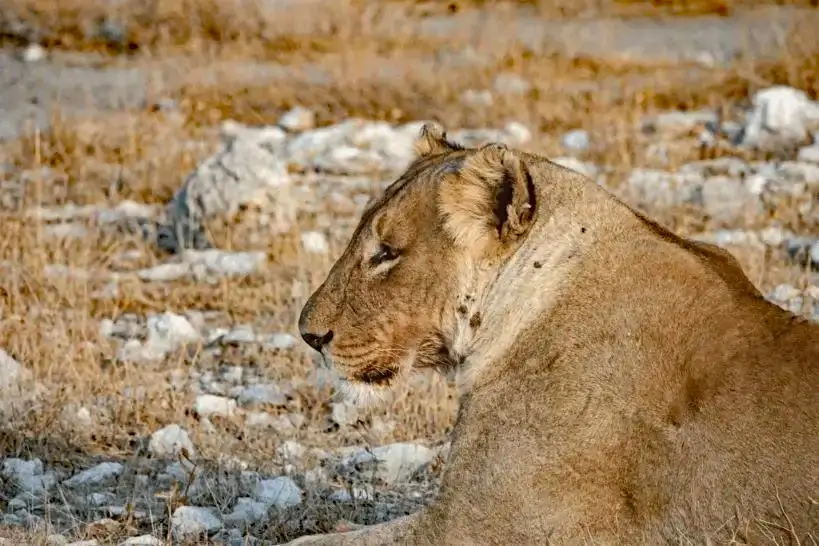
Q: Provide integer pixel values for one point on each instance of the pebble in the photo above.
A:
(280, 341)
(99, 499)
(27, 476)
(240, 334)
(96, 475)
(224, 263)
(280, 492)
(165, 272)
(142, 540)
(298, 119)
(33, 53)
(210, 404)
(314, 242)
(190, 522)
(394, 463)
(511, 84)
(779, 114)
(168, 332)
(11, 372)
(247, 511)
(267, 393)
(473, 97)
(809, 154)
(169, 441)
(577, 140)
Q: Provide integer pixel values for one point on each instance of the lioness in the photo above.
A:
(619, 384)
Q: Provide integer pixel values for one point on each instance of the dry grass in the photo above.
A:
(616, 8)
(51, 323)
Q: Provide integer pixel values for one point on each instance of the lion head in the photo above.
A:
(398, 297)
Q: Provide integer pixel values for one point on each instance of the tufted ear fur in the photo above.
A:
(432, 140)
(490, 201)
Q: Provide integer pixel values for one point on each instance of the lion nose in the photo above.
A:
(317, 341)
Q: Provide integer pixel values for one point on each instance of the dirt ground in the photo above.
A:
(128, 99)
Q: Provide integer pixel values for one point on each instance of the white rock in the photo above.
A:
(314, 242)
(261, 419)
(393, 463)
(780, 113)
(577, 140)
(240, 334)
(280, 341)
(190, 522)
(664, 189)
(344, 413)
(165, 272)
(92, 542)
(756, 184)
(726, 199)
(280, 492)
(168, 332)
(99, 499)
(267, 393)
(247, 511)
(133, 351)
(82, 417)
(224, 263)
(169, 441)
(96, 475)
(33, 53)
(298, 119)
(11, 372)
(508, 83)
(269, 135)
(473, 97)
(809, 154)
(68, 230)
(142, 540)
(516, 133)
(588, 169)
(245, 172)
(125, 210)
(291, 450)
(681, 120)
(209, 404)
(349, 160)
(27, 476)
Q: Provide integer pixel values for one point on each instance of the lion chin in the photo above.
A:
(367, 390)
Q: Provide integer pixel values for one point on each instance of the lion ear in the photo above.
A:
(490, 201)
(432, 140)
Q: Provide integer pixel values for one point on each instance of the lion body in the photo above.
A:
(619, 384)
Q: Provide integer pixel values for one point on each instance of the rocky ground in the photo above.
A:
(166, 216)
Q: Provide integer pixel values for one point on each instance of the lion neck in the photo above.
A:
(497, 302)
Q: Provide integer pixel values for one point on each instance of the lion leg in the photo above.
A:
(395, 531)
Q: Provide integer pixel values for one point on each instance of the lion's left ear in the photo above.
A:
(490, 201)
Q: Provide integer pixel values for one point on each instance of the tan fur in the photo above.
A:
(619, 384)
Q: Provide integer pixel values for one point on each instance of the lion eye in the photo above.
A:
(385, 254)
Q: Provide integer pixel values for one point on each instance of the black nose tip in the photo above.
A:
(317, 341)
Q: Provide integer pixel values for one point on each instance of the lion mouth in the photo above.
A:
(376, 374)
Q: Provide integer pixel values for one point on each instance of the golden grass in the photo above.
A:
(51, 323)
(617, 8)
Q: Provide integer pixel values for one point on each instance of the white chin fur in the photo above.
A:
(363, 395)
(360, 394)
